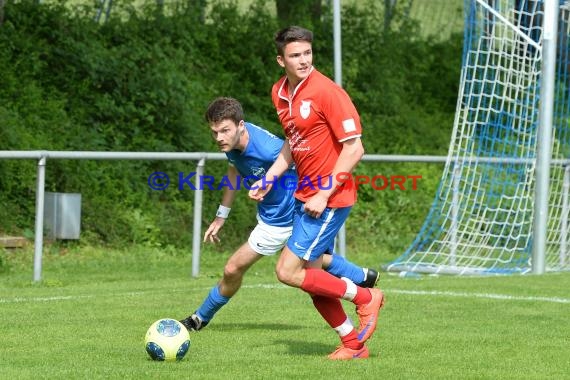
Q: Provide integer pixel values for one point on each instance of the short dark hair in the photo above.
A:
(224, 108)
(291, 34)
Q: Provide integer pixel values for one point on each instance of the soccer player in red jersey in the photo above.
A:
(250, 151)
(323, 132)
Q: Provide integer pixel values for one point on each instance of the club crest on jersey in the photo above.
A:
(258, 172)
(305, 108)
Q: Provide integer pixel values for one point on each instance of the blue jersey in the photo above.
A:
(261, 151)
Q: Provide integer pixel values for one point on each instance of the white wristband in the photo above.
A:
(223, 212)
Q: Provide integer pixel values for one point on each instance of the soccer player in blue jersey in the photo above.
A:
(252, 150)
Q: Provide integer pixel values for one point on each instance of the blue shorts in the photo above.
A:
(312, 237)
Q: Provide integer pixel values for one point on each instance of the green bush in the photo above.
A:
(142, 80)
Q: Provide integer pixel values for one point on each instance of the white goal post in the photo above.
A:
(513, 105)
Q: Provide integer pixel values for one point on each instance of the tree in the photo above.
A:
(389, 6)
(306, 13)
(2, 3)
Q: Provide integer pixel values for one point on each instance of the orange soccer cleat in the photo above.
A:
(368, 315)
(345, 353)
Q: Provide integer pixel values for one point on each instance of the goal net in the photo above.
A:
(481, 220)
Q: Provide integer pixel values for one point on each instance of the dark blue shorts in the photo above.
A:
(312, 237)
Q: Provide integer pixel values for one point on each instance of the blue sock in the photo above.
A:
(341, 267)
(211, 304)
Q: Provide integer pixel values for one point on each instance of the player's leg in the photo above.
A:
(341, 267)
(332, 311)
(309, 239)
(264, 240)
(294, 271)
(311, 236)
(234, 270)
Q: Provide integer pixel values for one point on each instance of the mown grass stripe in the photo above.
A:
(435, 293)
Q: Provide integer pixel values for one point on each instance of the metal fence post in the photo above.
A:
(197, 231)
(457, 169)
(39, 228)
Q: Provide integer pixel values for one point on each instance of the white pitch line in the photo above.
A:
(479, 295)
(41, 299)
(72, 298)
(435, 293)
(449, 294)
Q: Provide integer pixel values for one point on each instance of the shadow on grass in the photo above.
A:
(257, 326)
(305, 347)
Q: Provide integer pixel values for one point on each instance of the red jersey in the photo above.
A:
(316, 119)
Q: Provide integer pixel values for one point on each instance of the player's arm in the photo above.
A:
(281, 164)
(351, 153)
(225, 206)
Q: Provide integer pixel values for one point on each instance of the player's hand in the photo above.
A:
(212, 231)
(259, 189)
(316, 205)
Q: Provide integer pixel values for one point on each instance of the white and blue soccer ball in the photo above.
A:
(167, 340)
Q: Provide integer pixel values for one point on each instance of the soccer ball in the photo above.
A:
(167, 340)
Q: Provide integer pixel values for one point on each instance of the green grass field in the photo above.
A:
(88, 317)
